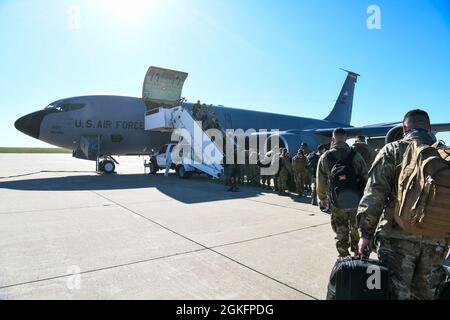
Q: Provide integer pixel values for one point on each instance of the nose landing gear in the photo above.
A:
(107, 165)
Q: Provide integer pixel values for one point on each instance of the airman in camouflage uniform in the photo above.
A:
(276, 157)
(367, 152)
(414, 261)
(196, 109)
(305, 148)
(343, 221)
(313, 160)
(255, 172)
(234, 170)
(264, 161)
(285, 171)
(299, 163)
(264, 180)
(308, 177)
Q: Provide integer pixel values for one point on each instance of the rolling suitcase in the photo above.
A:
(358, 278)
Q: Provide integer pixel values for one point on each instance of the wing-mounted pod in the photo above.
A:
(292, 140)
(163, 87)
(395, 134)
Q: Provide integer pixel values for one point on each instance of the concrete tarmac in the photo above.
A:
(68, 233)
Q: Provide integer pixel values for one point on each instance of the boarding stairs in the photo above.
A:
(205, 155)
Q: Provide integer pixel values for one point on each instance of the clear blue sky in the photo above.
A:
(277, 56)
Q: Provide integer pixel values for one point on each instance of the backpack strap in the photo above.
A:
(350, 157)
(332, 159)
(348, 160)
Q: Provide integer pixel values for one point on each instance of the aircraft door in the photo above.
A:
(163, 87)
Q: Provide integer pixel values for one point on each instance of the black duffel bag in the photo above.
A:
(358, 278)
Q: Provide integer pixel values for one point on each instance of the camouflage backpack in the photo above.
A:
(423, 191)
(443, 150)
(299, 163)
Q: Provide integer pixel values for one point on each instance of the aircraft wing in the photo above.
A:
(375, 130)
(441, 127)
(352, 132)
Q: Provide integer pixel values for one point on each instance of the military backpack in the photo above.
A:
(313, 160)
(345, 185)
(423, 191)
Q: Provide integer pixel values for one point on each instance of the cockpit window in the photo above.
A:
(63, 107)
(51, 106)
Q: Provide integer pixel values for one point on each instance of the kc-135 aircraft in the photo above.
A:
(99, 127)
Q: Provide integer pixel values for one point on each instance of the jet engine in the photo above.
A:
(292, 140)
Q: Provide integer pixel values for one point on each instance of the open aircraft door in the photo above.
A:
(163, 87)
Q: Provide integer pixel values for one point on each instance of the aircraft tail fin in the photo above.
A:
(342, 111)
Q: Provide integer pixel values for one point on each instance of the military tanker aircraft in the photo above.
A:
(100, 127)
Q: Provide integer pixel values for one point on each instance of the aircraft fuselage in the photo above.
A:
(119, 121)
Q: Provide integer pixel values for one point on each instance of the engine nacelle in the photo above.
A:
(394, 134)
(293, 140)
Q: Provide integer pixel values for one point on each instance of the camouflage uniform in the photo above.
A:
(265, 162)
(245, 169)
(305, 149)
(343, 221)
(234, 170)
(308, 177)
(299, 163)
(275, 177)
(414, 261)
(250, 167)
(264, 181)
(285, 170)
(256, 175)
(234, 176)
(227, 175)
(262, 163)
(313, 159)
(196, 109)
(367, 152)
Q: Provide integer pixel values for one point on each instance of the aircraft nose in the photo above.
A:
(31, 123)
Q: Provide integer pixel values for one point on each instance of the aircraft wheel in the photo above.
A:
(107, 166)
(182, 173)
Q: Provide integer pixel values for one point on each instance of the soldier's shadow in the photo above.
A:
(306, 199)
(196, 190)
